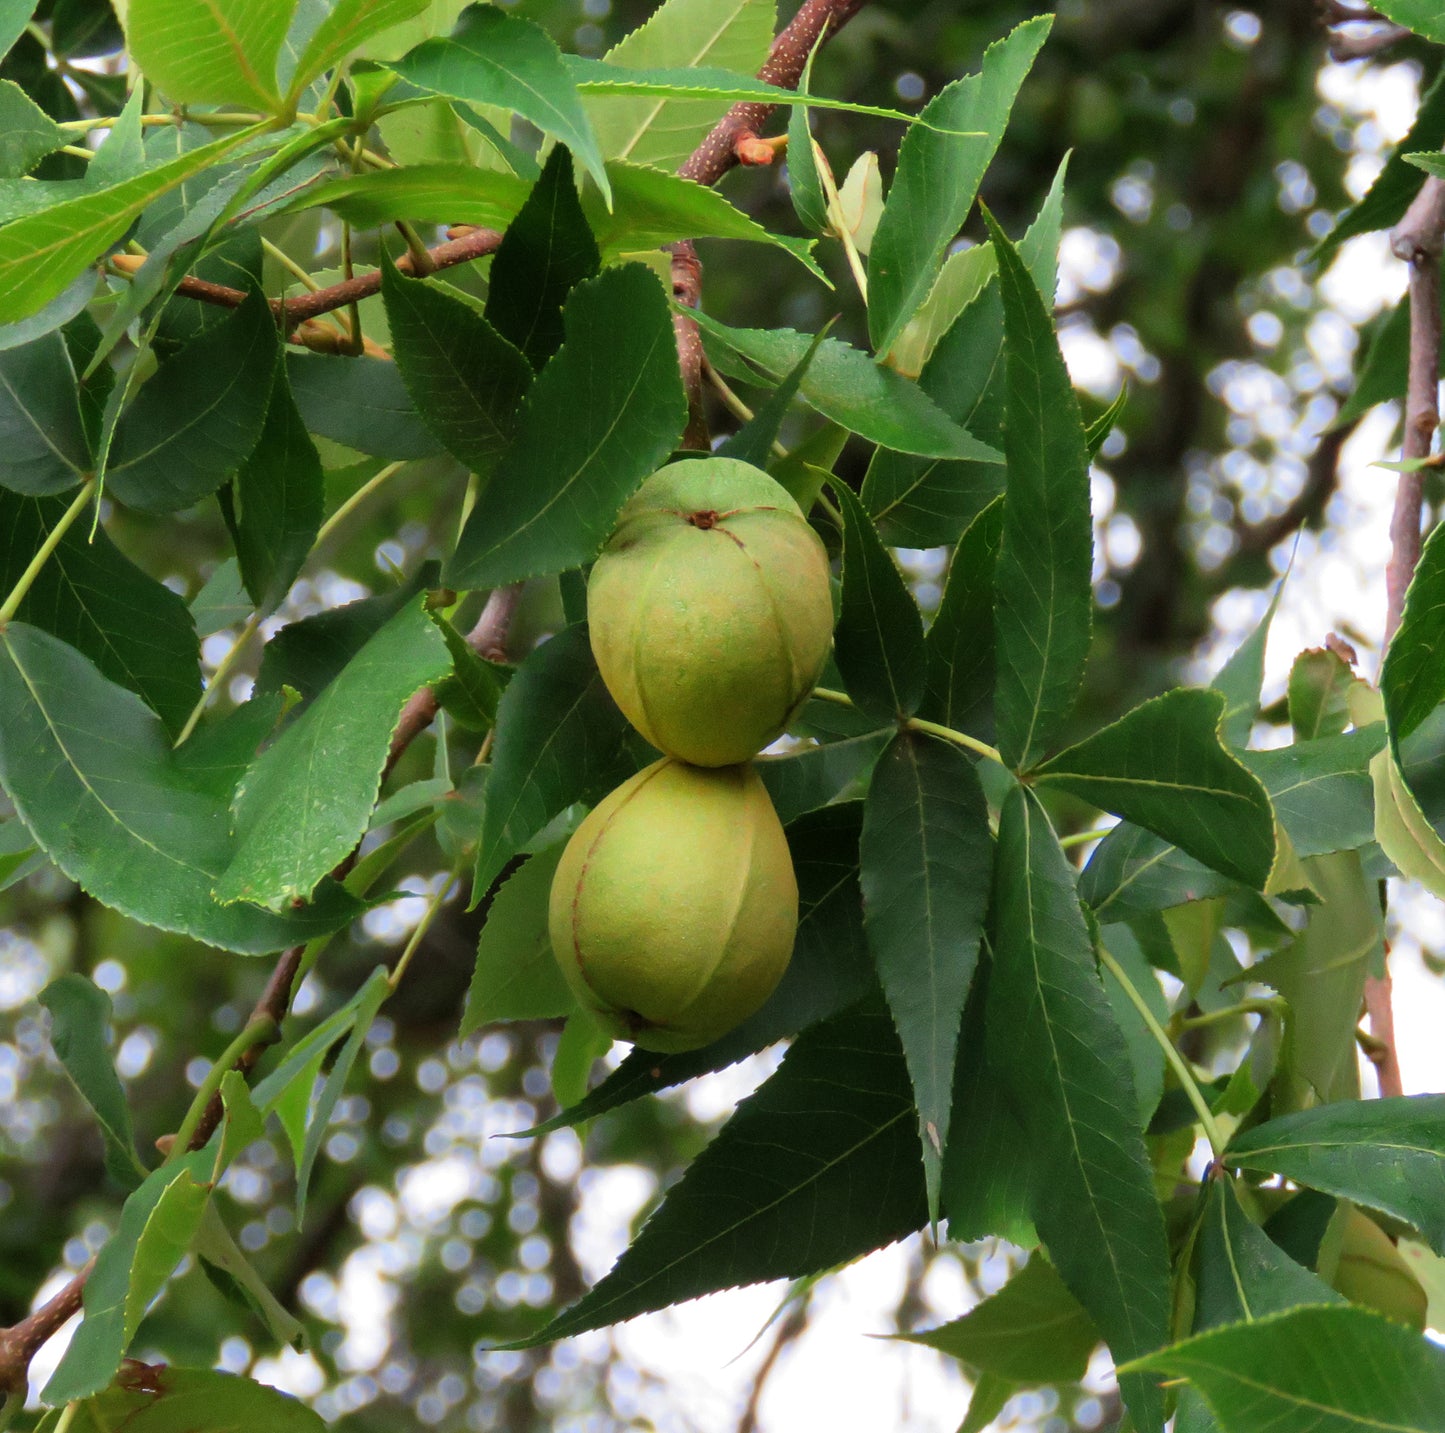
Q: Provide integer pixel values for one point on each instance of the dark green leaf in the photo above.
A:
(1319, 683)
(807, 779)
(805, 183)
(516, 975)
(14, 16)
(209, 54)
(306, 802)
(830, 970)
(465, 379)
(1133, 871)
(492, 58)
(472, 692)
(219, 752)
(222, 601)
(1386, 1154)
(279, 496)
(361, 403)
(960, 642)
(1314, 1369)
(601, 416)
(546, 252)
(198, 418)
(58, 312)
(42, 434)
(938, 176)
(832, 1130)
(180, 1400)
(27, 133)
(560, 739)
(1162, 767)
(1045, 600)
(879, 642)
(1051, 1032)
(89, 594)
(156, 1227)
(91, 771)
(753, 442)
(844, 384)
(79, 1019)
(1032, 1331)
(1413, 677)
(926, 866)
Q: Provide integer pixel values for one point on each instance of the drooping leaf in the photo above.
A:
(830, 970)
(278, 499)
(1413, 677)
(422, 193)
(91, 771)
(1342, 1369)
(805, 179)
(753, 442)
(157, 1224)
(1045, 600)
(844, 384)
(199, 417)
(546, 252)
(465, 379)
(805, 780)
(560, 739)
(361, 403)
(306, 802)
(470, 695)
(80, 1011)
(492, 58)
(938, 176)
(44, 447)
(601, 416)
(172, 1400)
(733, 34)
(1319, 683)
(516, 975)
(347, 25)
(926, 868)
(1162, 767)
(1051, 1032)
(1386, 1154)
(90, 595)
(833, 1129)
(1402, 828)
(960, 641)
(27, 133)
(1241, 677)
(210, 53)
(879, 644)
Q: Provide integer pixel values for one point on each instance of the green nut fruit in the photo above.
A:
(674, 906)
(1373, 1272)
(710, 611)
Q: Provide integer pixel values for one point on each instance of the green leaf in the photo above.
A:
(14, 16)
(89, 594)
(1338, 1369)
(423, 193)
(465, 379)
(1402, 828)
(938, 176)
(733, 34)
(844, 384)
(157, 1225)
(560, 739)
(306, 802)
(347, 25)
(1319, 683)
(516, 975)
(753, 442)
(960, 641)
(1421, 16)
(1045, 600)
(1133, 871)
(1162, 766)
(832, 1130)
(210, 53)
(1051, 1033)
(1386, 1154)
(546, 252)
(198, 418)
(493, 58)
(581, 1044)
(184, 1399)
(368, 1001)
(361, 403)
(927, 862)
(830, 970)
(222, 601)
(92, 774)
(80, 1015)
(1032, 1331)
(650, 208)
(27, 133)
(879, 642)
(471, 693)
(805, 180)
(42, 433)
(278, 499)
(1413, 676)
(601, 416)
(805, 780)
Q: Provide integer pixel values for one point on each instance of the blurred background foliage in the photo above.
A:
(1211, 148)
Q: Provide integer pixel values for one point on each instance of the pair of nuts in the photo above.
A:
(674, 908)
